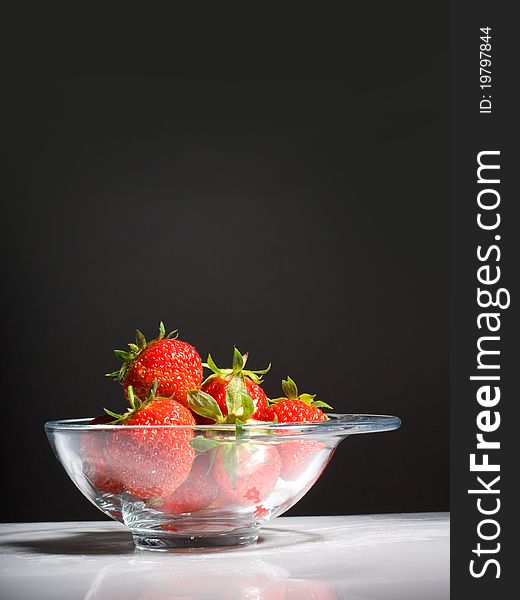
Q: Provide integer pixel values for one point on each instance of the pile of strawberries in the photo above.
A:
(171, 468)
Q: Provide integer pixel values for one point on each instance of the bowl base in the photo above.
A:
(196, 542)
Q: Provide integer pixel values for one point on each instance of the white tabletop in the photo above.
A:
(297, 558)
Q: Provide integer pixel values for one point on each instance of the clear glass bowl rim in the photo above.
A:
(343, 424)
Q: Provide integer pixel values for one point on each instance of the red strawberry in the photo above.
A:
(294, 411)
(230, 400)
(175, 364)
(196, 493)
(96, 468)
(150, 462)
(217, 386)
(295, 408)
(247, 474)
(295, 456)
(227, 385)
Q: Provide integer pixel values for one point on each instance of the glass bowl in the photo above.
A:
(202, 486)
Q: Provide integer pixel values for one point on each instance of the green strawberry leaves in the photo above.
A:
(140, 340)
(234, 391)
(290, 389)
(162, 333)
(210, 364)
(228, 450)
(238, 402)
(237, 367)
(248, 406)
(123, 355)
(230, 461)
(162, 330)
(320, 404)
(239, 361)
(203, 444)
(205, 405)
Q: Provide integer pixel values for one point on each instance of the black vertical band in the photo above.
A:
(484, 297)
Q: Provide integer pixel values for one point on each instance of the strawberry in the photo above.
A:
(216, 387)
(294, 411)
(96, 468)
(294, 408)
(229, 395)
(152, 463)
(242, 381)
(196, 493)
(176, 365)
(296, 457)
(247, 474)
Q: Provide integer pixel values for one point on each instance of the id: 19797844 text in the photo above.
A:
(485, 70)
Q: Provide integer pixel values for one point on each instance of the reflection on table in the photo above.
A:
(371, 556)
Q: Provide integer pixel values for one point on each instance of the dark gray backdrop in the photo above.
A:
(301, 219)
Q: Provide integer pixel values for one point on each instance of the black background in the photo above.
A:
(302, 218)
